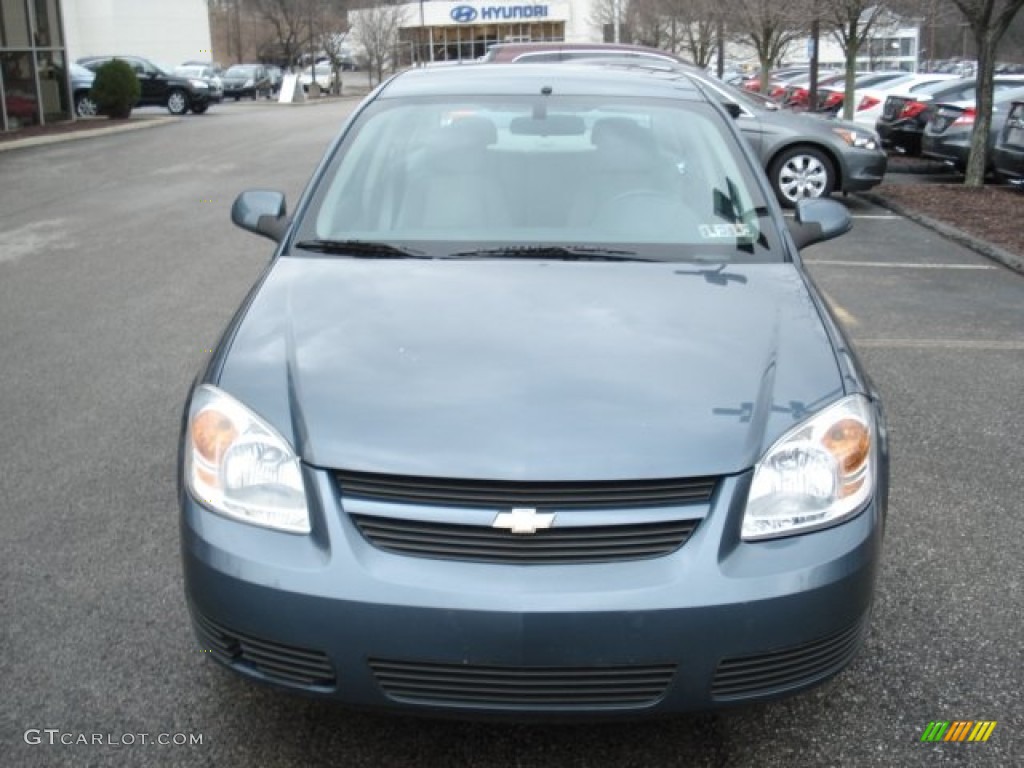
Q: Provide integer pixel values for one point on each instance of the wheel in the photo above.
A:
(85, 106)
(200, 108)
(177, 102)
(801, 172)
(238, 98)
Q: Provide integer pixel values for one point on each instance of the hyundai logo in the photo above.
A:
(463, 14)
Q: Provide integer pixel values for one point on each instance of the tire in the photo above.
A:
(85, 106)
(200, 108)
(177, 102)
(801, 172)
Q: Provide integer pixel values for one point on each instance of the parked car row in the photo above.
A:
(191, 86)
(160, 88)
(937, 121)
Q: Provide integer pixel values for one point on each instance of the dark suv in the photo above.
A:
(160, 88)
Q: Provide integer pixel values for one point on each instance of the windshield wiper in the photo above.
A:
(361, 249)
(561, 252)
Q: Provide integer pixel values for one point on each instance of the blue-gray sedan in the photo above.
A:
(534, 412)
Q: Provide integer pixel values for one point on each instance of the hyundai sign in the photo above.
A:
(464, 14)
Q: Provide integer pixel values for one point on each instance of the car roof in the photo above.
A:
(510, 51)
(523, 79)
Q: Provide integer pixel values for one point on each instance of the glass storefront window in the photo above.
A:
(53, 92)
(14, 24)
(48, 24)
(20, 100)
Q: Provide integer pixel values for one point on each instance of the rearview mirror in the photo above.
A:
(262, 212)
(817, 220)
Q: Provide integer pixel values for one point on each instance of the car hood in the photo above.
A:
(531, 370)
(810, 122)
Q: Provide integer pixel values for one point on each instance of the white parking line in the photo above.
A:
(993, 346)
(893, 264)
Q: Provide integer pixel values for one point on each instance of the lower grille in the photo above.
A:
(281, 663)
(779, 671)
(522, 687)
(551, 546)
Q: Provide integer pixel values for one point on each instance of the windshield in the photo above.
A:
(655, 179)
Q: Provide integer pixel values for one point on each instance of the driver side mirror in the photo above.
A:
(262, 212)
(817, 220)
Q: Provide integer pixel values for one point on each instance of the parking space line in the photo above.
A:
(976, 344)
(842, 314)
(894, 264)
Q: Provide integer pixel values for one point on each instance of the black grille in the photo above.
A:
(280, 663)
(503, 494)
(779, 671)
(593, 544)
(522, 687)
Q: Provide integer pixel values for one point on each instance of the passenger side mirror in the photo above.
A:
(262, 212)
(817, 220)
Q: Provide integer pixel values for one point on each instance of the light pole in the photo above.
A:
(423, 27)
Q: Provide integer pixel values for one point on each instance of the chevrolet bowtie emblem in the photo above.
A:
(523, 520)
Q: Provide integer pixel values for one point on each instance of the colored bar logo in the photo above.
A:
(958, 730)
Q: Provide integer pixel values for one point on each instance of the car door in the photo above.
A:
(153, 87)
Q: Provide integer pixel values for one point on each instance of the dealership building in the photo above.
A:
(463, 30)
(39, 37)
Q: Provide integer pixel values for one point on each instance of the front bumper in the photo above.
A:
(715, 623)
(863, 170)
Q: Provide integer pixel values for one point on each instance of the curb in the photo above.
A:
(59, 138)
(982, 247)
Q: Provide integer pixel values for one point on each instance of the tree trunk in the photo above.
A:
(976, 165)
(852, 49)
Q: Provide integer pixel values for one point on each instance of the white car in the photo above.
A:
(869, 101)
(324, 76)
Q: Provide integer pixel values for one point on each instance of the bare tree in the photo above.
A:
(852, 23)
(291, 22)
(331, 34)
(376, 29)
(769, 27)
(988, 21)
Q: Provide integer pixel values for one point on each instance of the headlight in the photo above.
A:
(859, 139)
(199, 84)
(818, 474)
(248, 83)
(238, 465)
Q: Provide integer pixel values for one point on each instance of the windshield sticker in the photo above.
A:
(717, 231)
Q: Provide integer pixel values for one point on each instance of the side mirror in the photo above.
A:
(817, 220)
(262, 212)
(732, 108)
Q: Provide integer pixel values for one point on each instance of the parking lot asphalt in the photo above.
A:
(118, 270)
